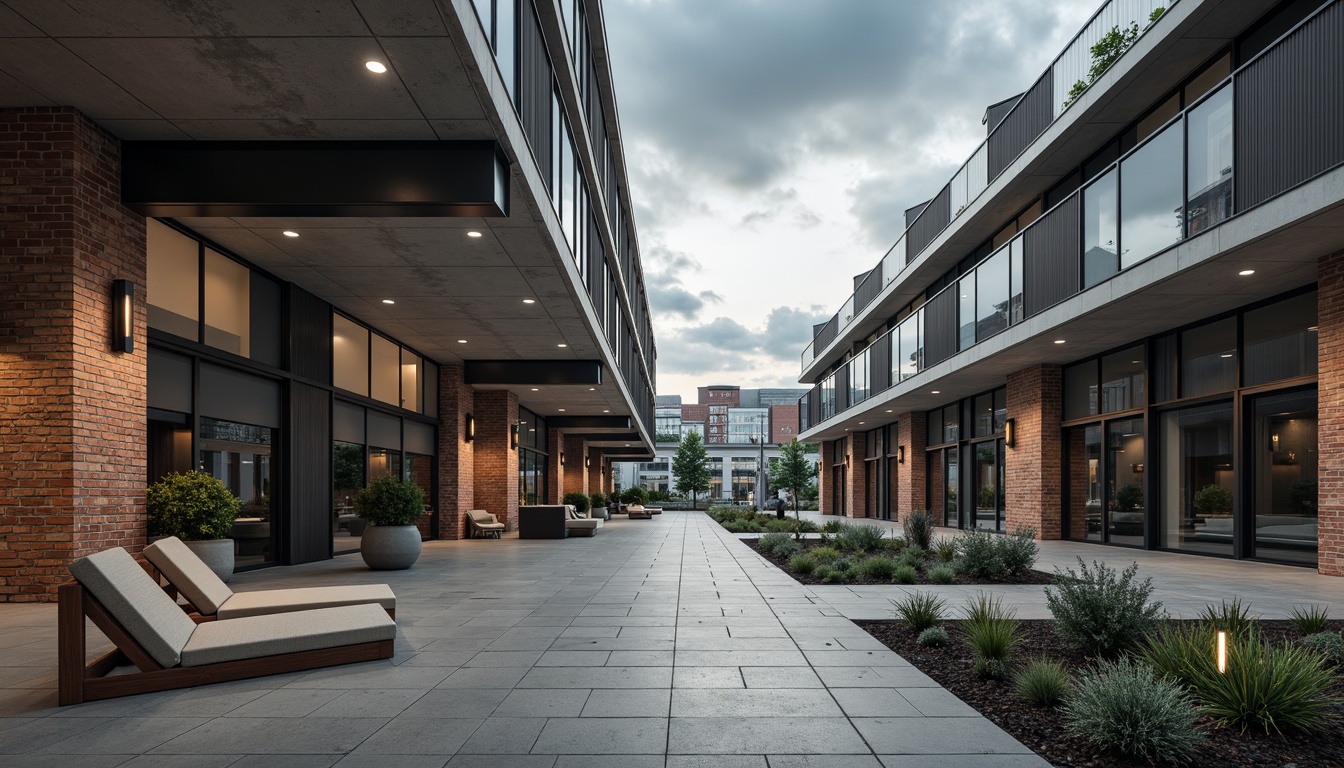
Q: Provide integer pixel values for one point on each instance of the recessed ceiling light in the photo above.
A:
(562, 345)
(1059, 341)
(529, 301)
(461, 341)
(290, 233)
(473, 233)
(376, 67)
(1312, 328)
(592, 389)
(1246, 272)
(562, 410)
(861, 423)
(1229, 354)
(937, 392)
(389, 301)
(889, 410)
(627, 445)
(606, 410)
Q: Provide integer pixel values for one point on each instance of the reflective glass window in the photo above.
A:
(1083, 492)
(1100, 230)
(228, 298)
(410, 381)
(1122, 380)
(1284, 459)
(172, 281)
(1080, 390)
(1016, 309)
(1151, 197)
(1000, 410)
(983, 411)
(350, 355)
(1125, 509)
(1197, 480)
(1209, 182)
(506, 33)
(1209, 358)
(991, 300)
(909, 362)
(385, 370)
(966, 289)
(951, 424)
(1280, 340)
(988, 492)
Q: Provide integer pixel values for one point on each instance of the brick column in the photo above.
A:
(856, 477)
(72, 466)
(1034, 466)
(496, 463)
(825, 492)
(555, 473)
(1330, 410)
(576, 475)
(912, 435)
(457, 463)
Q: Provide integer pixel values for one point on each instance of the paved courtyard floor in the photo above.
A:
(662, 642)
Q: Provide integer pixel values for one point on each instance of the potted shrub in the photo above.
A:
(600, 502)
(580, 502)
(196, 508)
(390, 507)
(1213, 501)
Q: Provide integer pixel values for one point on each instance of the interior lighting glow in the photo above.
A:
(1059, 341)
(529, 301)
(461, 341)
(562, 346)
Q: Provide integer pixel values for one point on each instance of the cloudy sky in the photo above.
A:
(774, 144)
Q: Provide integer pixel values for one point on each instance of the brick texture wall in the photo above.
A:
(856, 478)
(555, 474)
(496, 463)
(912, 433)
(1034, 465)
(457, 459)
(783, 423)
(1330, 352)
(825, 488)
(576, 475)
(73, 435)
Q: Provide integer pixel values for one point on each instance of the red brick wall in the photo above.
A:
(1330, 352)
(457, 461)
(73, 439)
(856, 477)
(710, 396)
(576, 475)
(555, 474)
(1034, 466)
(783, 423)
(912, 433)
(825, 489)
(496, 464)
(695, 413)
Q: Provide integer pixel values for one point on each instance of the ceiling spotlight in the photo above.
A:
(937, 392)
(1228, 354)
(290, 233)
(606, 410)
(861, 423)
(592, 389)
(389, 301)
(473, 233)
(461, 341)
(889, 410)
(562, 346)
(529, 301)
(562, 410)
(1059, 341)
(1246, 272)
(534, 389)
(376, 67)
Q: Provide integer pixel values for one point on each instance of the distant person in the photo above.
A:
(781, 503)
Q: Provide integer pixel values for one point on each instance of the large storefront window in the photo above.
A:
(532, 458)
(1283, 504)
(1197, 480)
(969, 434)
(1125, 508)
(1082, 447)
(239, 455)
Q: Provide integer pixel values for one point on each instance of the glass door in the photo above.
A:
(1283, 503)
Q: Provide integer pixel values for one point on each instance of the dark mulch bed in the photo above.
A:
(1043, 729)
(1031, 577)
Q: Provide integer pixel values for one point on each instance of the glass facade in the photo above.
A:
(1209, 170)
(240, 456)
(1151, 197)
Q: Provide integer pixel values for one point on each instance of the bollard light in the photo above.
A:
(1222, 653)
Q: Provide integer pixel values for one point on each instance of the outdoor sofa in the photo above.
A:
(554, 521)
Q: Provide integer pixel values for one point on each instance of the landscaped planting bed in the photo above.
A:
(1111, 683)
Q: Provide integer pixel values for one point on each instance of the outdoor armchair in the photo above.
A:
(482, 523)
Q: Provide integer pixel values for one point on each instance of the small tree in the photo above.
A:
(794, 471)
(691, 466)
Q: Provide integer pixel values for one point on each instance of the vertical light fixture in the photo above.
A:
(587, 462)
(469, 433)
(562, 458)
(900, 454)
(1010, 432)
(123, 307)
(513, 436)
(1222, 652)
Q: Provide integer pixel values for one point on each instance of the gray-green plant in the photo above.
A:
(788, 548)
(854, 537)
(921, 610)
(941, 574)
(918, 527)
(933, 637)
(803, 563)
(879, 568)
(825, 554)
(1311, 619)
(771, 541)
(1126, 707)
(1043, 682)
(992, 631)
(836, 576)
(823, 573)
(842, 564)
(905, 574)
(1017, 551)
(1330, 645)
(193, 506)
(978, 554)
(1099, 611)
(831, 526)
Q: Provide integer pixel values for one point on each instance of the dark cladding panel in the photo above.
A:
(309, 476)
(1290, 111)
(552, 372)
(169, 381)
(1032, 115)
(868, 288)
(931, 221)
(232, 395)
(1051, 259)
(940, 327)
(309, 336)
(879, 365)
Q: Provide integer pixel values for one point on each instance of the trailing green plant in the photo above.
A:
(1099, 611)
(978, 554)
(579, 501)
(918, 527)
(933, 637)
(1043, 682)
(880, 568)
(921, 610)
(1126, 707)
(905, 574)
(945, 549)
(803, 563)
(389, 501)
(1330, 645)
(1231, 617)
(1310, 620)
(825, 554)
(1104, 53)
(770, 541)
(859, 538)
(1267, 687)
(941, 574)
(193, 506)
(1017, 551)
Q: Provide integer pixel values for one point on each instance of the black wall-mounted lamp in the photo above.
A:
(900, 454)
(1010, 433)
(469, 433)
(513, 436)
(123, 304)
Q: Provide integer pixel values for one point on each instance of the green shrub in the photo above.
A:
(896, 544)
(598, 499)
(915, 553)
(823, 573)
(1017, 551)
(803, 563)
(933, 637)
(1330, 645)
(991, 629)
(825, 554)
(842, 564)
(1268, 687)
(776, 525)
(921, 610)
(580, 501)
(741, 526)
(831, 526)
(770, 541)
(788, 548)
(1043, 682)
(1310, 620)
(634, 495)
(389, 501)
(991, 669)
(905, 574)
(977, 554)
(859, 538)
(1180, 652)
(881, 568)
(1126, 707)
(918, 527)
(1231, 617)
(942, 574)
(945, 549)
(834, 576)
(193, 506)
(1099, 612)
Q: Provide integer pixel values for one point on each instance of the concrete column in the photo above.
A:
(1034, 465)
(1330, 409)
(457, 462)
(495, 460)
(911, 434)
(72, 471)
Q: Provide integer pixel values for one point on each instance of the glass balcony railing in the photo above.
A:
(1033, 113)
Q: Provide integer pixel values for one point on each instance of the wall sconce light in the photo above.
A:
(469, 433)
(513, 436)
(1010, 432)
(900, 454)
(587, 462)
(562, 458)
(123, 303)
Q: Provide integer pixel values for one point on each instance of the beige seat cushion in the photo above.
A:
(253, 637)
(484, 520)
(138, 604)
(583, 522)
(192, 577)
(306, 598)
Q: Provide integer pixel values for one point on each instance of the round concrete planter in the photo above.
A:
(390, 547)
(217, 554)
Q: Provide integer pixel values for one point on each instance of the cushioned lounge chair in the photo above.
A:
(171, 650)
(212, 598)
(638, 512)
(482, 523)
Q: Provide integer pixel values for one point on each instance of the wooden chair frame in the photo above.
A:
(81, 681)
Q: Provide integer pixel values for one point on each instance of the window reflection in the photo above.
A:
(1197, 479)
(1209, 358)
(1125, 508)
(1284, 502)
(966, 289)
(1083, 454)
(1101, 257)
(1151, 197)
(991, 278)
(1122, 380)
(1209, 168)
(346, 480)
(239, 455)
(1280, 340)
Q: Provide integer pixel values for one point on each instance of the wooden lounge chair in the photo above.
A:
(210, 597)
(484, 524)
(172, 651)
